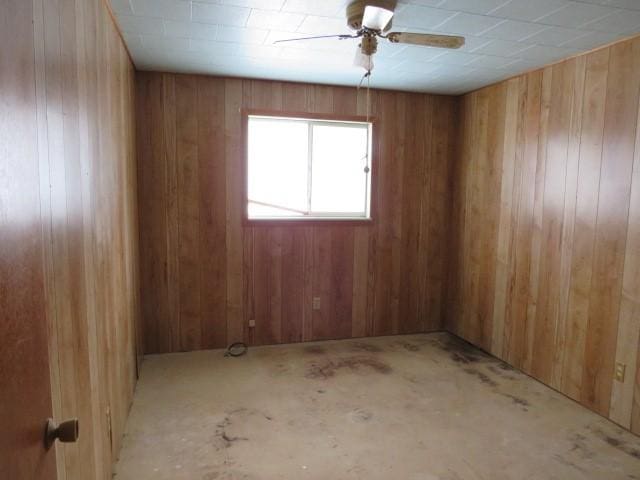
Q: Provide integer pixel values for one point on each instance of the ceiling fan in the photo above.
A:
(370, 20)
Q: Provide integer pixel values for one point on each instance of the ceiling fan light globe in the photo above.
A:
(376, 18)
(355, 13)
(364, 61)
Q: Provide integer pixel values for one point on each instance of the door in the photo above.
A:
(25, 392)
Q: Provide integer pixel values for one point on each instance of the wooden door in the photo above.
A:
(25, 392)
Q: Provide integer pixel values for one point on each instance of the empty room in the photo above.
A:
(337, 239)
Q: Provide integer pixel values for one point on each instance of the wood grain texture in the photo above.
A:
(85, 121)
(384, 278)
(25, 402)
(565, 250)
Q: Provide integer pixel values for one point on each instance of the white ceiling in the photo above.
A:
(235, 38)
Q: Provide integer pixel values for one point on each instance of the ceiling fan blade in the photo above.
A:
(376, 18)
(339, 37)
(426, 40)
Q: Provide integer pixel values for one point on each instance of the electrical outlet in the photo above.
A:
(620, 369)
(316, 303)
(252, 323)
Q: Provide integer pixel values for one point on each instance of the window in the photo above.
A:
(308, 169)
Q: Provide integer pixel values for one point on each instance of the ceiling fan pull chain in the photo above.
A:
(368, 95)
(367, 76)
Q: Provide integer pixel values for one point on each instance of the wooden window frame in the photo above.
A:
(315, 221)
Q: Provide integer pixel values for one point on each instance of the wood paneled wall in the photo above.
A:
(25, 389)
(546, 273)
(84, 90)
(204, 274)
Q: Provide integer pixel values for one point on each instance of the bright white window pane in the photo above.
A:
(301, 168)
(339, 180)
(277, 167)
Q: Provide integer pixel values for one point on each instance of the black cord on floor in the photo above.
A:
(236, 349)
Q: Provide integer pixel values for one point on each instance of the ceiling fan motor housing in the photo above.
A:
(355, 11)
(369, 45)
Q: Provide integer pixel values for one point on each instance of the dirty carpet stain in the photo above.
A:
(411, 347)
(484, 378)
(622, 446)
(360, 363)
(517, 400)
(314, 350)
(508, 374)
(224, 440)
(365, 347)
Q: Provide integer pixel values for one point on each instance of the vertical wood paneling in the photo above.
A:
(386, 302)
(359, 323)
(490, 197)
(537, 222)
(153, 223)
(293, 282)
(267, 272)
(419, 139)
(625, 397)
(630, 307)
(171, 212)
(596, 75)
(514, 348)
(333, 282)
(24, 370)
(229, 273)
(507, 207)
(568, 222)
(412, 181)
(621, 113)
(475, 218)
(564, 294)
(436, 210)
(234, 202)
(212, 234)
(84, 89)
(455, 320)
(188, 193)
(556, 146)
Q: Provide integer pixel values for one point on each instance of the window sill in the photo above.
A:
(310, 222)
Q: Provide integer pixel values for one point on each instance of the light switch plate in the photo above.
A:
(619, 372)
(316, 303)
(252, 323)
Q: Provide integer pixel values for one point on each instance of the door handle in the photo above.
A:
(66, 432)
